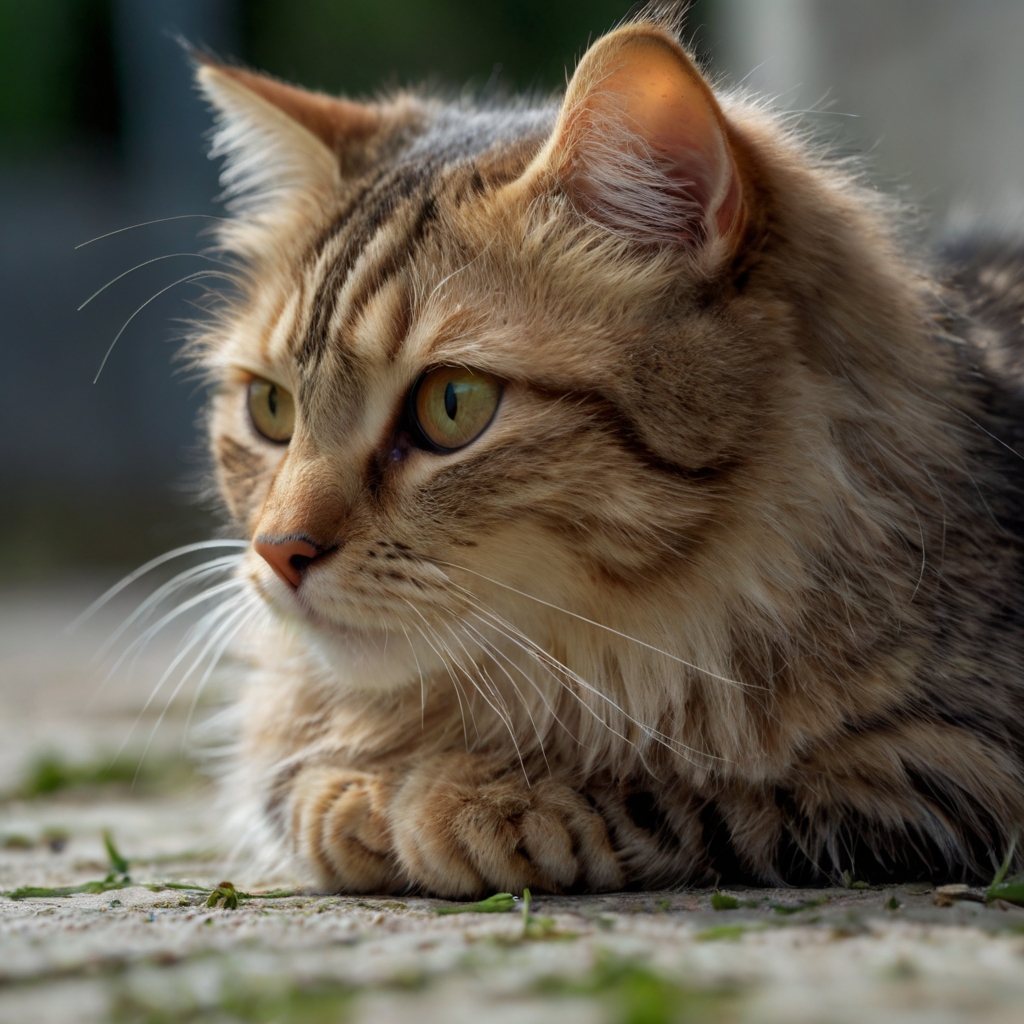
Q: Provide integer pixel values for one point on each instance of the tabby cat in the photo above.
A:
(634, 508)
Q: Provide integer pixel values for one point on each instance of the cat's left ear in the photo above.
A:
(284, 148)
(641, 144)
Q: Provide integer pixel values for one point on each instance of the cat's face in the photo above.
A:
(482, 364)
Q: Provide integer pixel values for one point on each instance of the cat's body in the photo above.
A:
(728, 585)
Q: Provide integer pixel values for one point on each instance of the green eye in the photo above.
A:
(272, 410)
(453, 406)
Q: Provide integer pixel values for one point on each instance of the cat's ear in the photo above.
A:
(641, 144)
(281, 145)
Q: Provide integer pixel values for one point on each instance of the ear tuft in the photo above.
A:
(337, 123)
(271, 160)
(642, 146)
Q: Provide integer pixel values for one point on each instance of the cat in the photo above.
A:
(631, 503)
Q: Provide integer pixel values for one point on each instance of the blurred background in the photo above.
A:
(100, 129)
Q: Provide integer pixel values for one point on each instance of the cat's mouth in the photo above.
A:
(295, 606)
(356, 656)
(362, 658)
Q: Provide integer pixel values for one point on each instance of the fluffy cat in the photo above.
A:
(632, 509)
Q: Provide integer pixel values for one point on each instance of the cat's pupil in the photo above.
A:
(272, 400)
(451, 401)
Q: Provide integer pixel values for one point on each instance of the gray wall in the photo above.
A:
(936, 87)
(92, 472)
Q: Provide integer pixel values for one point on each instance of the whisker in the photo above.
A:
(454, 273)
(195, 636)
(489, 648)
(190, 575)
(493, 650)
(423, 690)
(208, 623)
(152, 564)
(448, 662)
(139, 644)
(458, 697)
(139, 266)
(503, 713)
(504, 707)
(546, 659)
(255, 606)
(591, 689)
(180, 684)
(229, 625)
(198, 275)
(609, 629)
(146, 223)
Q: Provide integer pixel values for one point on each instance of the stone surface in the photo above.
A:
(161, 956)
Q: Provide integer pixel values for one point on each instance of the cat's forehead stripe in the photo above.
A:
(389, 264)
(353, 232)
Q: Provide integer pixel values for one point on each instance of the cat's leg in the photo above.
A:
(461, 828)
(657, 830)
(339, 826)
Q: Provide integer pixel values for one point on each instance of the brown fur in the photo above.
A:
(729, 586)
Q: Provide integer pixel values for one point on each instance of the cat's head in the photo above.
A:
(489, 362)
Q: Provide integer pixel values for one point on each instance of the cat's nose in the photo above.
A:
(287, 556)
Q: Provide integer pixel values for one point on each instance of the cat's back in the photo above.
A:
(987, 273)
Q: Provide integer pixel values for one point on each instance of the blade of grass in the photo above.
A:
(1013, 890)
(118, 865)
(40, 892)
(499, 903)
(719, 901)
(224, 894)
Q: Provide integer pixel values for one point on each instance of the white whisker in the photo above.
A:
(489, 649)
(444, 280)
(458, 694)
(145, 608)
(503, 713)
(609, 629)
(423, 690)
(139, 644)
(152, 564)
(226, 625)
(139, 266)
(449, 659)
(159, 220)
(254, 607)
(231, 628)
(197, 276)
(208, 624)
(546, 659)
(541, 657)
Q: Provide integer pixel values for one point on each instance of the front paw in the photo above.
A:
(461, 830)
(339, 824)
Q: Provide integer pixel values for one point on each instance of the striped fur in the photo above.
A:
(727, 590)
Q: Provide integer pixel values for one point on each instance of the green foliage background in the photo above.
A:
(354, 45)
(59, 74)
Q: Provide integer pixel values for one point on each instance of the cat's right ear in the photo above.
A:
(285, 150)
(642, 147)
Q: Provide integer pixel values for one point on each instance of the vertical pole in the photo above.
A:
(164, 119)
(770, 44)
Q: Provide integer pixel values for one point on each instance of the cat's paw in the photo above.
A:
(339, 822)
(459, 830)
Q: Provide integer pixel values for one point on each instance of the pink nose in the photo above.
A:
(287, 557)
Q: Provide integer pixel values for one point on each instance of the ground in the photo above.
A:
(147, 953)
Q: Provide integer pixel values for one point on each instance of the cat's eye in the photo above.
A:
(452, 406)
(272, 410)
